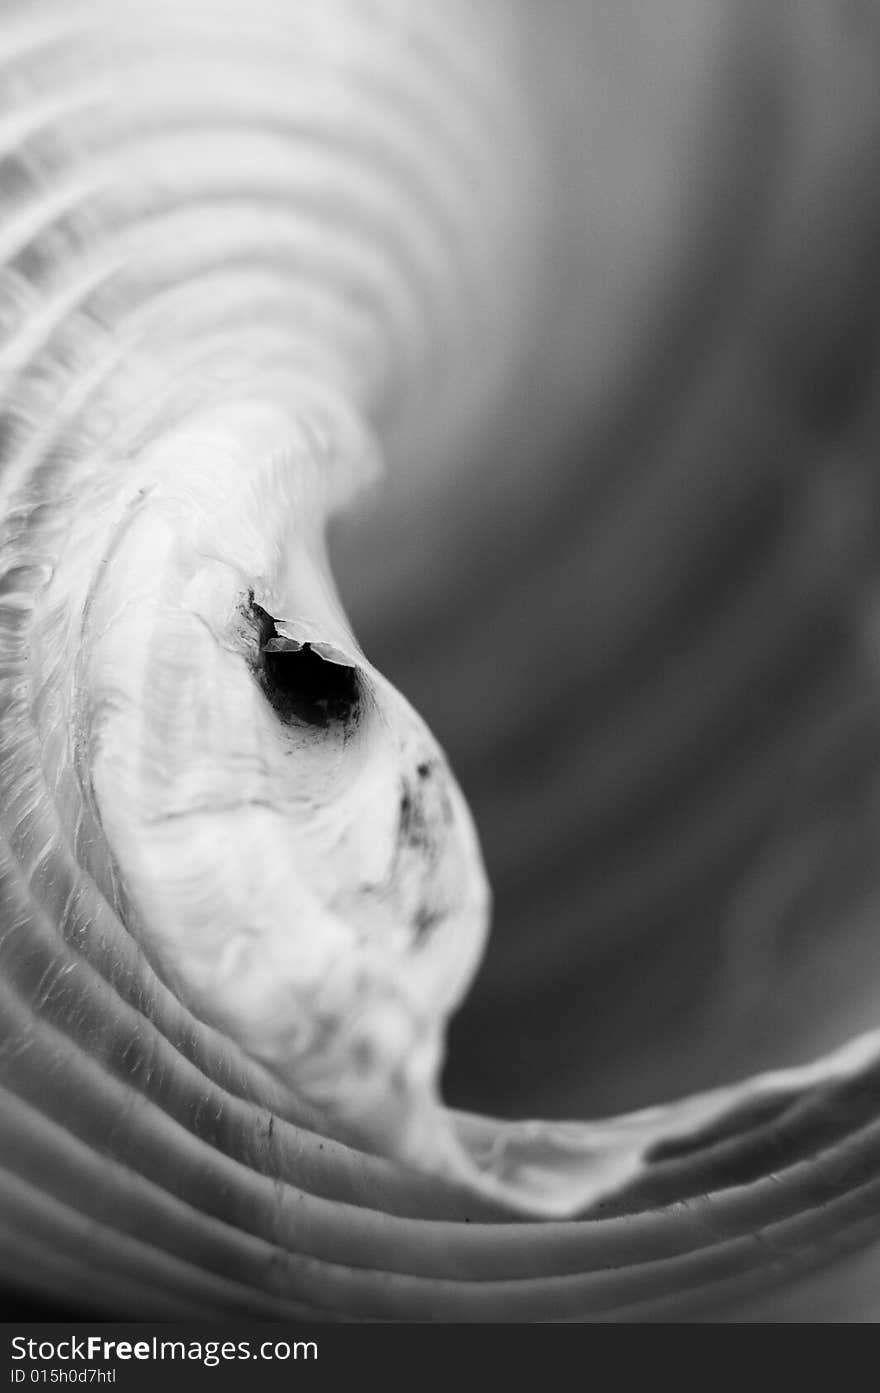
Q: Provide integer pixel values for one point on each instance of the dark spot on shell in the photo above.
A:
(413, 828)
(424, 922)
(423, 770)
(362, 1055)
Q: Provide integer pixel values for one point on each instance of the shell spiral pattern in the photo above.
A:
(254, 259)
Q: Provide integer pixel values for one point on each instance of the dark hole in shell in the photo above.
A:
(301, 685)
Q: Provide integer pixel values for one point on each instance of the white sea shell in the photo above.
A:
(256, 260)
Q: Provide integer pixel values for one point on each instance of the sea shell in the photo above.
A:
(261, 263)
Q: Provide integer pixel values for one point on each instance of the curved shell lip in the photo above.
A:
(292, 637)
(293, 634)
